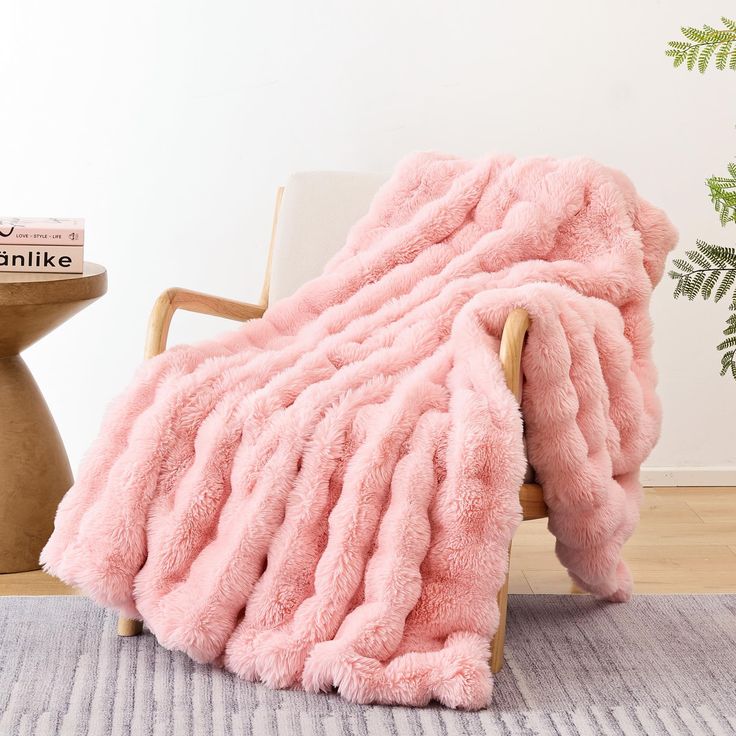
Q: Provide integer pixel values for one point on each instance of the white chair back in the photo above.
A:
(318, 208)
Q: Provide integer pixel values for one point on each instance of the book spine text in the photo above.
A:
(53, 259)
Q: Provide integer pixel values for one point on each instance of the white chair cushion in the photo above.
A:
(318, 209)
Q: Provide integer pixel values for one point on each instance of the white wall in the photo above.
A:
(168, 125)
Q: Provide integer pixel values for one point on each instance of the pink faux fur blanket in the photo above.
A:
(325, 497)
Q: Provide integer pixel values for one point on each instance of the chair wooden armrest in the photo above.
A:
(512, 342)
(531, 496)
(191, 301)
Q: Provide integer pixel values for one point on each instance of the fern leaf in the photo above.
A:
(720, 255)
(709, 284)
(727, 362)
(723, 196)
(729, 346)
(692, 34)
(692, 284)
(726, 283)
(698, 258)
(678, 288)
(721, 55)
(729, 342)
(684, 266)
(705, 53)
(730, 24)
(730, 328)
(691, 57)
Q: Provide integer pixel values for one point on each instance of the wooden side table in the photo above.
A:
(34, 468)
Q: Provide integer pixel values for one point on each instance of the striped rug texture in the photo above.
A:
(658, 665)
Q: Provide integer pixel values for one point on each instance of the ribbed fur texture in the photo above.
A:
(325, 497)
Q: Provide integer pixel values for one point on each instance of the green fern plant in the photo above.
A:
(710, 270)
(704, 45)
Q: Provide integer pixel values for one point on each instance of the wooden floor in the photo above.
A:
(685, 543)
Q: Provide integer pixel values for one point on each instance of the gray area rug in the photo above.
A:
(658, 665)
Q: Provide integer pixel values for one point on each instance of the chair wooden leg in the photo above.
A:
(499, 639)
(129, 626)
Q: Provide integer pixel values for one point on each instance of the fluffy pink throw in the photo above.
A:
(325, 497)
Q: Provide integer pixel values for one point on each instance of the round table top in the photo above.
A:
(46, 288)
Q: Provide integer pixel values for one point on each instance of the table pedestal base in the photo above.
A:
(34, 468)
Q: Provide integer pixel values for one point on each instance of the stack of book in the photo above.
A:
(50, 245)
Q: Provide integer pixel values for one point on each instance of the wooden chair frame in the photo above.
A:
(512, 342)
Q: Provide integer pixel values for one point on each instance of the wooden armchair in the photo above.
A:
(302, 240)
